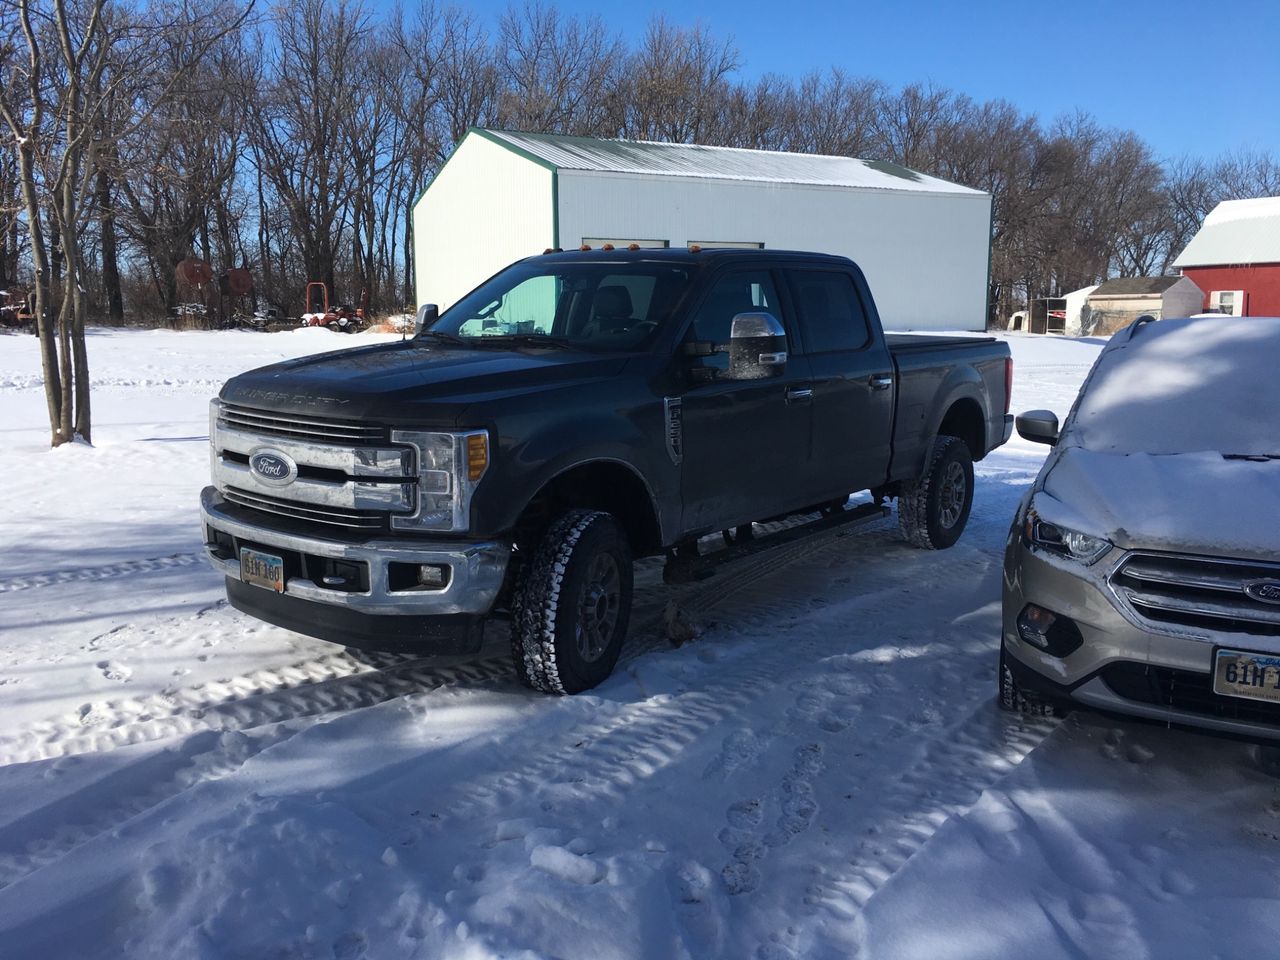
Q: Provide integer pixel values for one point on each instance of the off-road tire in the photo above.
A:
(547, 605)
(1013, 698)
(928, 514)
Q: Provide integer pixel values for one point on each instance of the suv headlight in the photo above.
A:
(450, 466)
(1063, 541)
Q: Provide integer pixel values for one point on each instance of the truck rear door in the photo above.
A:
(852, 378)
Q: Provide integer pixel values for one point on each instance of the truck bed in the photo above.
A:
(905, 342)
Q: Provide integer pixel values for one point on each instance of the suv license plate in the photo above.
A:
(262, 569)
(1251, 676)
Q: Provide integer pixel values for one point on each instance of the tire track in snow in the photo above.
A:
(304, 689)
(640, 738)
(246, 701)
(49, 833)
(950, 777)
(109, 571)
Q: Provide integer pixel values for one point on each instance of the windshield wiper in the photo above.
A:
(444, 337)
(1256, 457)
(525, 339)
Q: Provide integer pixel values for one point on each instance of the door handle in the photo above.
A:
(799, 394)
(880, 381)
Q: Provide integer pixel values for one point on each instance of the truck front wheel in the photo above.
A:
(572, 605)
(933, 510)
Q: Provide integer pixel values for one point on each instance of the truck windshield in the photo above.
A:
(596, 306)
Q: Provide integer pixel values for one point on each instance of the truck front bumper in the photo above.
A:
(381, 610)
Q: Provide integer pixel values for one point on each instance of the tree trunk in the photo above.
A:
(110, 266)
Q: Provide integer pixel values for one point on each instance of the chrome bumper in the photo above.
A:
(476, 569)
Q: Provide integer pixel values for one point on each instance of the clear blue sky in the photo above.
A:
(1189, 77)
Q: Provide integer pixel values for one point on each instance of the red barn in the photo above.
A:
(1235, 258)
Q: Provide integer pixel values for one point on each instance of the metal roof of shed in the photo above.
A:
(1134, 287)
(1236, 232)
(718, 163)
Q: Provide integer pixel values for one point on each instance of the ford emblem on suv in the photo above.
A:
(273, 467)
(1268, 591)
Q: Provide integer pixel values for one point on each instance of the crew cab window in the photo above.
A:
(745, 291)
(831, 315)
(609, 305)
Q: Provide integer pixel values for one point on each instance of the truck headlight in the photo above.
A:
(1063, 541)
(450, 466)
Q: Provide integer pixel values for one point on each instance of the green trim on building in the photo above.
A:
(518, 151)
(540, 161)
(555, 208)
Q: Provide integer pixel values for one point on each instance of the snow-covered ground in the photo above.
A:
(822, 773)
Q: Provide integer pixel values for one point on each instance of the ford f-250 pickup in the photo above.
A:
(577, 411)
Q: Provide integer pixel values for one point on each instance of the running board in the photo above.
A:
(681, 568)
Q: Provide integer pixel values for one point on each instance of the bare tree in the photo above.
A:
(80, 58)
(553, 70)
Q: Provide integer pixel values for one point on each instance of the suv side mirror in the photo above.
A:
(1038, 426)
(428, 314)
(757, 347)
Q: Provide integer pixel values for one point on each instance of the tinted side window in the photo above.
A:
(744, 291)
(830, 312)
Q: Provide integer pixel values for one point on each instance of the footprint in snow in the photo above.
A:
(740, 877)
(566, 865)
(1137, 753)
(115, 671)
(745, 814)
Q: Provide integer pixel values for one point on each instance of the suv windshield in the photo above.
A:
(595, 306)
(1183, 386)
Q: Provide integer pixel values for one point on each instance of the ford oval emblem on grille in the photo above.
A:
(1268, 591)
(272, 467)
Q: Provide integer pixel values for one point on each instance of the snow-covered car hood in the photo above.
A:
(1197, 503)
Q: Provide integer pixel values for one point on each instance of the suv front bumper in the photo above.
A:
(363, 616)
(1123, 665)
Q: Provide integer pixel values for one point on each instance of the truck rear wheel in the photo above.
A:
(933, 511)
(572, 605)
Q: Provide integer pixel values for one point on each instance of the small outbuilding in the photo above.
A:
(924, 243)
(1115, 304)
(1235, 258)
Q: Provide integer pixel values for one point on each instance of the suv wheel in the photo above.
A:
(572, 605)
(1014, 699)
(933, 511)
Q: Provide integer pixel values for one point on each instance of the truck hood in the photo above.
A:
(411, 383)
(1197, 503)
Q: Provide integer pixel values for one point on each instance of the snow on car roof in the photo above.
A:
(1184, 386)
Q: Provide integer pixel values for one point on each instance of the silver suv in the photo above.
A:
(1142, 572)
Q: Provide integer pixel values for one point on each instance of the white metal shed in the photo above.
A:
(924, 243)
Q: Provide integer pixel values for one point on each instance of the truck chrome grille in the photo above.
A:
(1200, 592)
(299, 426)
(333, 516)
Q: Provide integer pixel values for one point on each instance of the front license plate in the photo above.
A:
(262, 569)
(1252, 676)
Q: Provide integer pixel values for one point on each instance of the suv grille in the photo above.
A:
(1183, 690)
(334, 516)
(299, 426)
(1201, 592)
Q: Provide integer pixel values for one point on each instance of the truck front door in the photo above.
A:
(745, 442)
(852, 375)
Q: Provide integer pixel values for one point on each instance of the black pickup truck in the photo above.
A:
(575, 412)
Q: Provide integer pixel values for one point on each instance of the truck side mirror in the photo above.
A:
(1038, 426)
(428, 314)
(757, 347)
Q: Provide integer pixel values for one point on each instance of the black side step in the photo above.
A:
(685, 567)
